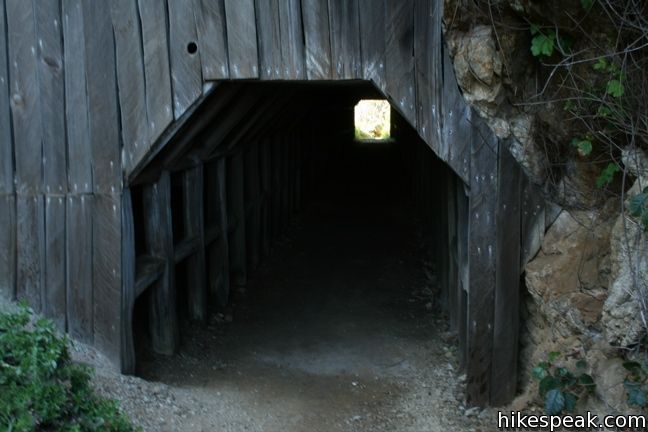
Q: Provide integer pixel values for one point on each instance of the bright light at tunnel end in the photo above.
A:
(372, 120)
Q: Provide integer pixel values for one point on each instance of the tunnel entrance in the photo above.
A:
(272, 242)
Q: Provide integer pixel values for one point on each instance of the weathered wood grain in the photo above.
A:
(399, 61)
(242, 38)
(30, 249)
(51, 94)
(482, 252)
(504, 374)
(212, 35)
(268, 29)
(292, 39)
(6, 140)
(79, 150)
(163, 318)
(54, 300)
(193, 214)
(107, 275)
(317, 39)
(372, 42)
(186, 69)
(129, 57)
(157, 69)
(24, 96)
(102, 99)
(345, 38)
(8, 246)
(128, 293)
(79, 215)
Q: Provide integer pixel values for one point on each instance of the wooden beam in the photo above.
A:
(129, 290)
(159, 242)
(236, 211)
(219, 274)
(253, 199)
(6, 139)
(241, 39)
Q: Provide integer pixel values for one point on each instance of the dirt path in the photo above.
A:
(335, 332)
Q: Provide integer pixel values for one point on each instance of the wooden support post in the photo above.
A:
(253, 200)
(128, 284)
(463, 269)
(451, 253)
(159, 242)
(223, 289)
(236, 219)
(193, 215)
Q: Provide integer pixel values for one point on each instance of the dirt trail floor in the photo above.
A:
(336, 331)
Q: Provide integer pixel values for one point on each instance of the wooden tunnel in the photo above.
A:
(104, 106)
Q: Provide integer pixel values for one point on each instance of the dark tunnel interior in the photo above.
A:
(330, 240)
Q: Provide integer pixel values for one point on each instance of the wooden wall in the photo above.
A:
(91, 92)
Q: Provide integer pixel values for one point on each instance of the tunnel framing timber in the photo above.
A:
(91, 92)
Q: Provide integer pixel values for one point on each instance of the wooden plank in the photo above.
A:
(54, 300)
(242, 39)
(317, 39)
(52, 94)
(8, 246)
(253, 199)
(268, 29)
(163, 317)
(107, 275)
(532, 220)
(128, 292)
(30, 246)
(236, 212)
(79, 267)
(212, 37)
(148, 269)
(102, 100)
(6, 140)
(507, 289)
(399, 61)
(186, 69)
(157, 69)
(345, 38)
(219, 261)
(24, 90)
(292, 39)
(129, 56)
(193, 213)
(372, 42)
(76, 99)
(482, 251)
(464, 271)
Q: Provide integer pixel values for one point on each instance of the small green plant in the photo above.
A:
(583, 145)
(559, 387)
(41, 389)
(545, 41)
(607, 174)
(636, 383)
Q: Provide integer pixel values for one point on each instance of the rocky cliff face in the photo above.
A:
(587, 287)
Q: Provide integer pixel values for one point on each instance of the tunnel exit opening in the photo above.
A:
(360, 237)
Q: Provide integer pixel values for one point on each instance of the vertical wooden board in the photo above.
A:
(54, 300)
(399, 61)
(157, 72)
(79, 150)
(52, 94)
(24, 95)
(236, 208)
(482, 251)
(242, 38)
(129, 57)
(507, 289)
(457, 118)
(107, 275)
(372, 41)
(102, 98)
(253, 198)
(317, 39)
(533, 223)
(8, 246)
(463, 268)
(268, 30)
(128, 284)
(345, 38)
(186, 69)
(30, 247)
(212, 35)
(6, 140)
(79, 267)
(292, 39)
(453, 283)
(193, 213)
(223, 289)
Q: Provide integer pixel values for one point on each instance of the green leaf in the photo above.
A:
(539, 373)
(554, 402)
(615, 88)
(548, 383)
(636, 395)
(607, 174)
(553, 356)
(604, 111)
(601, 64)
(544, 365)
(581, 364)
(631, 366)
(543, 44)
(562, 372)
(584, 146)
(636, 207)
(570, 401)
(587, 4)
(586, 380)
